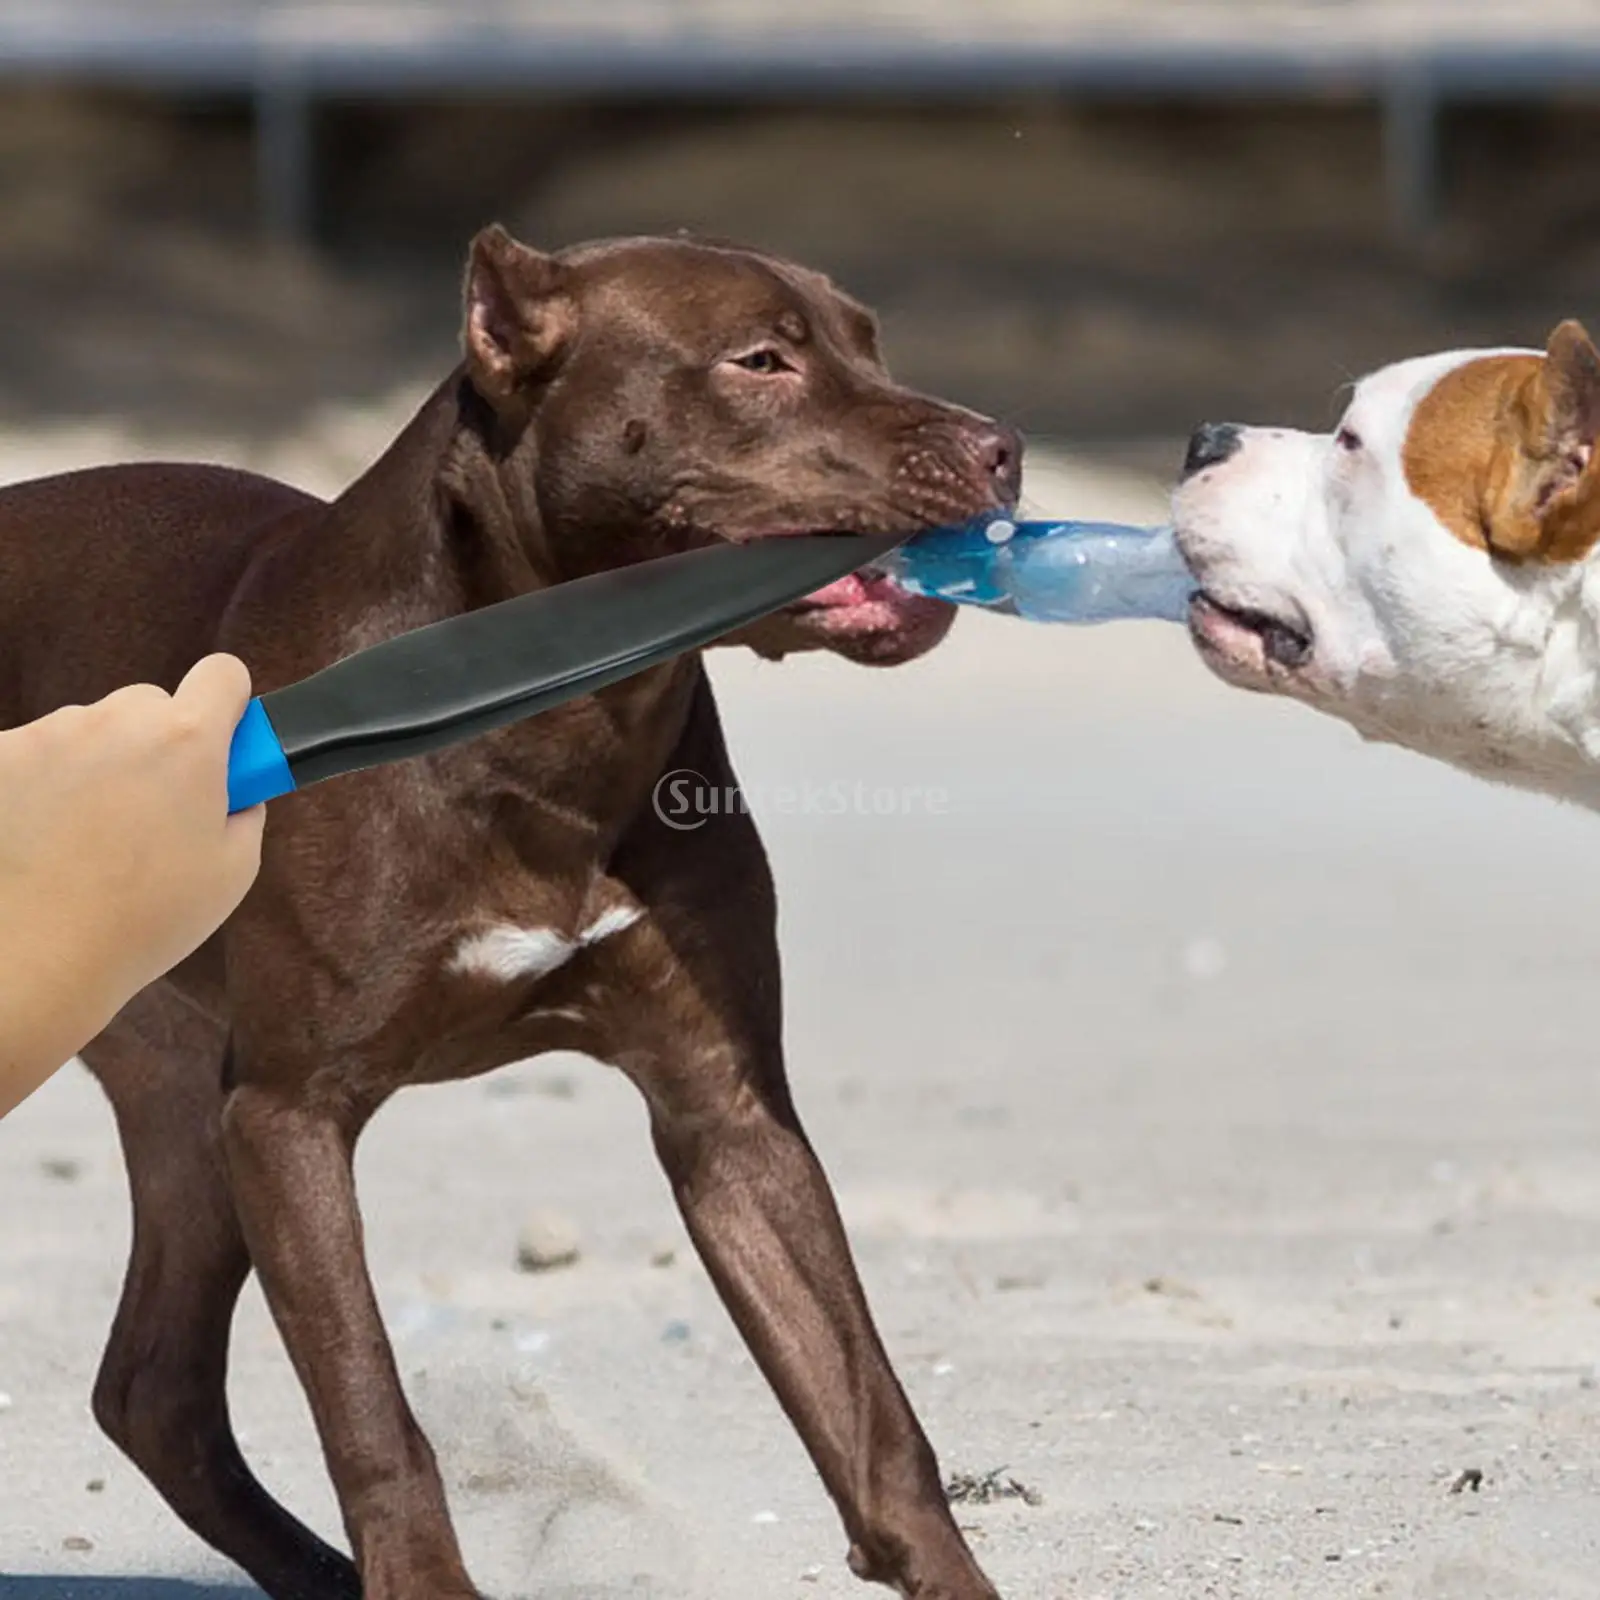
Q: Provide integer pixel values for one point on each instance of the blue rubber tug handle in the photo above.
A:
(258, 770)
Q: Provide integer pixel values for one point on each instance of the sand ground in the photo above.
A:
(1213, 1101)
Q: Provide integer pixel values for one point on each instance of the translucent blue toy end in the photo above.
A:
(1050, 571)
(258, 770)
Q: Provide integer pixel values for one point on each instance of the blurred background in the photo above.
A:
(1213, 1099)
(1103, 217)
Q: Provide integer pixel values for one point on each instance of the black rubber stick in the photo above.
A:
(453, 679)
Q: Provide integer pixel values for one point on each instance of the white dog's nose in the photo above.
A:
(1209, 445)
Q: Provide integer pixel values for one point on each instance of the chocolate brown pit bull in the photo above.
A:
(511, 896)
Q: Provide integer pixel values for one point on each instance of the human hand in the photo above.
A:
(117, 854)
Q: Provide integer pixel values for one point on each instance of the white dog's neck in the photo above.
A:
(1544, 697)
(1566, 705)
(1532, 720)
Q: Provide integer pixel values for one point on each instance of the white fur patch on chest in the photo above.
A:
(509, 954)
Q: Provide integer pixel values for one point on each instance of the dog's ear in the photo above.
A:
(1560, 418)
(520, 314)
(1548, 498)
(1571, 383)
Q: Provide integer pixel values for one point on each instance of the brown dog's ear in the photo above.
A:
(519, 314)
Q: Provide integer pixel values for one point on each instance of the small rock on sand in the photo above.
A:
(1172, 1288)
(547, 1241)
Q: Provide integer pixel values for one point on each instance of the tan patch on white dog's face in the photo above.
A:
(1502, 450)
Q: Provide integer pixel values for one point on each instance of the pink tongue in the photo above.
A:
(852, 591)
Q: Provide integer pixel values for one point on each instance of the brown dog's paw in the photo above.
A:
(896, 1571)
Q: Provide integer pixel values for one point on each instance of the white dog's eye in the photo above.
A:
(1348, 439)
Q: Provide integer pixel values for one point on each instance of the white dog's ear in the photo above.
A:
(1571, 383)
(520, 315)
(1504, 450)
(1547, 507)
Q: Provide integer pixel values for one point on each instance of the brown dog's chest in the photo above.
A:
(438, 919)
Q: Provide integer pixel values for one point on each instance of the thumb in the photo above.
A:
(216, 690)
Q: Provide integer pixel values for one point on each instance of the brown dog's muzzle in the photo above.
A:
(954, 467)
(949, 467)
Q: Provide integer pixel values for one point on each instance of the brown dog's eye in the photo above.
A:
(1348, 439)
(767, 362)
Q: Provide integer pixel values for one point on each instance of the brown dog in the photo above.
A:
(509, 897)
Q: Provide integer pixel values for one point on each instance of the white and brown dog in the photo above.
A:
(1430, 570)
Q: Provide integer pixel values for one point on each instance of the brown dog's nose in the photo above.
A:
(1211, 444)
(1000, 455)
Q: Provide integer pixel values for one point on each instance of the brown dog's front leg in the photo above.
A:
(695, 992)
(761, 1214)
(290, 1169)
